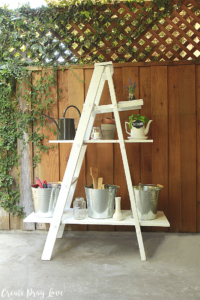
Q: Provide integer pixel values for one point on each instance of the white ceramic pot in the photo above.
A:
(138, 133)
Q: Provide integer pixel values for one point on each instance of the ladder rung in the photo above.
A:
(122, 106)
(73, 180)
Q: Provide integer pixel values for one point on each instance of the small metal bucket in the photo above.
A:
(100, 203)
(146, 197)
(44, 201)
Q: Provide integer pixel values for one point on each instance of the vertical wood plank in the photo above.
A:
(174, 150)
(198, 143)
(25, 167)
(99, 155)
(16, 222)
(146, 149)
(72, 93)
(47, 169)
(4, 219)
(160, 134)
(187, 110)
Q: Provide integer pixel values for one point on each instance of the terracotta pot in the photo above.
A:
(107, 121)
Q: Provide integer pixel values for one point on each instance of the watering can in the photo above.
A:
(138, 132)
(66, 126)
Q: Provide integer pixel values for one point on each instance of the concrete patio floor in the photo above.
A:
(100, 265)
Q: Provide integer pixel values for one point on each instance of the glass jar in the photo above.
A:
(79, 208)
(96, 133)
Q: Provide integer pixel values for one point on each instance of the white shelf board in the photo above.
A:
(138, 141)
(122, 106)
(61, 141)
(160, 221)
(101, 141)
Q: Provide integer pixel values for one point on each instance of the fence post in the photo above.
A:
(25, 167)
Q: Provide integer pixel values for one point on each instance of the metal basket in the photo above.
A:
(146, 197)
(44, 200)
(100, 203)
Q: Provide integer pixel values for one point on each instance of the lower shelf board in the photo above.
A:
(160, 221)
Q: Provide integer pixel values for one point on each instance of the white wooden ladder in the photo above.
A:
(102, 72)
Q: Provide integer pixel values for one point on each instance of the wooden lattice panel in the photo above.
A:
(173, 38)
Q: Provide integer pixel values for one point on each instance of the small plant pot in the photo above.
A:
(131, 97)
(108, 131)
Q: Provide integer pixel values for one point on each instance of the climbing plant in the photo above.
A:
(45, 37)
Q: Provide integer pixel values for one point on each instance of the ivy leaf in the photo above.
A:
(86, 13)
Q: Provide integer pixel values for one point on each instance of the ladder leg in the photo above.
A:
(74, 163)
(126, 166)
(67, 188)
(60, 231)
(73, 187)
(92, 117)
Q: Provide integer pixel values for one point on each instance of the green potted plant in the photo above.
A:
(138, 117)
(136, 124)
(131, 88)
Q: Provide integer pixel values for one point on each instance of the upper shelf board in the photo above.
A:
(101, 141)
(122, 106)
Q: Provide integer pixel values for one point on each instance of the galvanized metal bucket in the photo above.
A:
(146, 197)
(100, 203)
(44, 201)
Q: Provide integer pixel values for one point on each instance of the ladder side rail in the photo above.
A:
(72, 162)
(76, 174)
(73, 187)
(92, 117)
(98, 96)
(126, 166)
(60, 231)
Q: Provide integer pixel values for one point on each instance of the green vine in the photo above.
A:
(15, 120)
(43, 37)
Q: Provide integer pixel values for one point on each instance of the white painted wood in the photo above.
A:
(126, 166)
(102, 141)
(160, 221)
(74, 162)
(122, 106)
(60, 231)
(138, 141)
(96, 102)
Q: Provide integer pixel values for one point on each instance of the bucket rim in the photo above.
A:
(152, 186)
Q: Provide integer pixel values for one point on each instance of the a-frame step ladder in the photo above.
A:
(102, 72)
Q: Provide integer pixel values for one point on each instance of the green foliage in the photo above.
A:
(38, 36)
(15, 120)
(138, 117)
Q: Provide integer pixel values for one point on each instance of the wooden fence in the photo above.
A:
(171, 94)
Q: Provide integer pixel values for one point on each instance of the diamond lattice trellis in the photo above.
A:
(172, 38)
